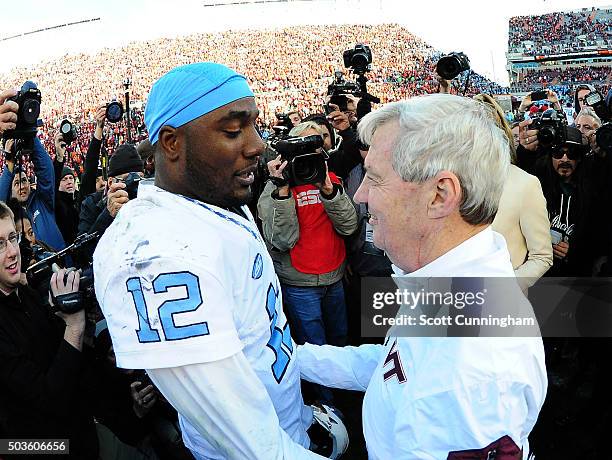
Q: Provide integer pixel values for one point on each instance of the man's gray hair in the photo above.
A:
(590, 112)
(442, 132)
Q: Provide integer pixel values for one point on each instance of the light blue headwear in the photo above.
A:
(190, 91)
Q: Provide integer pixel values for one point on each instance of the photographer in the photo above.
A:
(39, 204)
(66, 212)
(42, 369)
(92, 180)
(99, 210)
(587, 122)
(573, 185)
(304, 226)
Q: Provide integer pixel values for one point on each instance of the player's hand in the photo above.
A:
(60, 147)
(339, 120)
(144, 399)
(8, 111)
(528, 138)
(560, 250)
(116, 198)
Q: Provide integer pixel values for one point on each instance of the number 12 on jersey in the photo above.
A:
(191, 302)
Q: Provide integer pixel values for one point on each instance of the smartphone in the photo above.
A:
(538, 95)
(341, 101)
(555, 236)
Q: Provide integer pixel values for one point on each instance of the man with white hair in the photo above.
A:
(434, 176)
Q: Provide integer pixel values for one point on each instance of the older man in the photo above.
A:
(434, 176)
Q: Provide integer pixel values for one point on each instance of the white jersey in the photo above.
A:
(182, 282)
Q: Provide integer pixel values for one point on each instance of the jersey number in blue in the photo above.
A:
(280, 339)
(169, 308)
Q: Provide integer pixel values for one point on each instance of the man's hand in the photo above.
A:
(551, 96)
(276, 168)
(116, 198)
(339, 120)
(560, 250)
(60, 147)
(144, 399)
(9, 157)
(528, 138)
(66, 282)
(8, 111)
(525, 103)
(326, 187)
(100, 117)
(445, 85)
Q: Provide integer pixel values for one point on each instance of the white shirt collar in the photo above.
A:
(484, 254)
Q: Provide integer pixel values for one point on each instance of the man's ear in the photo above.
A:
(171, 142)
(446, 195)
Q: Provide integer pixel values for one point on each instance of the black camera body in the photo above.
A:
(114, 111)
(68, 131)
(131, 184)
(338, 90)
(359, 58)
(304, 164)
(603, 136)
(29, 99)
(552, 129)
(451, 65)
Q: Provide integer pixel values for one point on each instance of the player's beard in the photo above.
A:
(208, 184)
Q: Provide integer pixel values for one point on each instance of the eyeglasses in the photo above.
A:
(14, 239)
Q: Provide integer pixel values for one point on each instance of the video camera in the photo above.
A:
(282, 126)
(28, 98)
(339, 88)
(603, 136)
(39, 276)
(305, 165)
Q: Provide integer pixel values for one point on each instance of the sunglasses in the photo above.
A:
(571, 154)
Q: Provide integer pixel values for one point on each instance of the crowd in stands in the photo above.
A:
(289, 69)
(539, 78)
(560, 32)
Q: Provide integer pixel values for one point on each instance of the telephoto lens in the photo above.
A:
(451, 65)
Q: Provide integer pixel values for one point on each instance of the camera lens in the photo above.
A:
(30, 111)
(114, 112)
(546, 135)
(359, 61)
(65, 128)
(305, 169)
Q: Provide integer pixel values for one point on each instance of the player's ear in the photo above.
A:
(171, 143)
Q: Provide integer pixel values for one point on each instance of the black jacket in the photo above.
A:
(585, 211)
(66, 213)
(42, 377)
(94, 217)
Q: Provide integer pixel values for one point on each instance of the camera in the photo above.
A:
(338, 90)
(359, 58)
(29, 99)
(598, 104)
(305, 165)
(68, 131)
(552, 129)
(451, 65)
(603, 136)
(114, 111)
(39, 276)
(131, 184)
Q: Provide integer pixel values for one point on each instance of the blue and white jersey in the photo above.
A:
(183, 282)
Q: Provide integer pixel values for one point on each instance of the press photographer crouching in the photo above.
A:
(305, 212)
(42, 368)
(574, 185)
